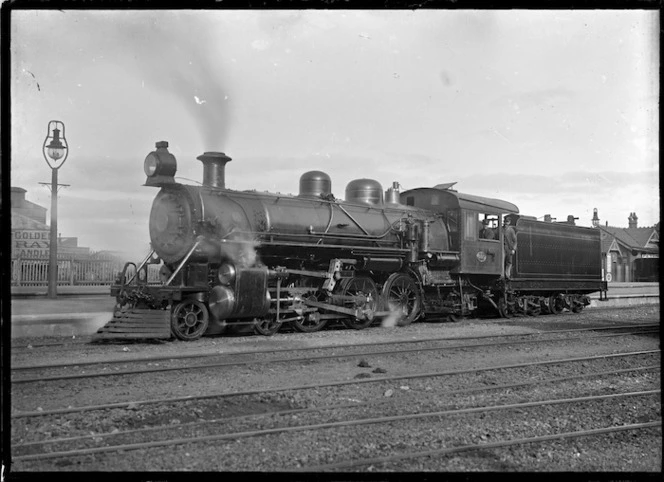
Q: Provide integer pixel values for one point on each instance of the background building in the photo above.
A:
(31, 234)
(77, 265)
(629, 254)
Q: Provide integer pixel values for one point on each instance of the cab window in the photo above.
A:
(488, 225)
(453, 227)
(470, 229)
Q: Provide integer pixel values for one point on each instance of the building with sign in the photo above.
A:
(76, 265)
(630, 254)
(31, 234)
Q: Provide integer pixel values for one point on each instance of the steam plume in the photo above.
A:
(173, 54)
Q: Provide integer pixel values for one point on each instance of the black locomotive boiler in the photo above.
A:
(227, 257)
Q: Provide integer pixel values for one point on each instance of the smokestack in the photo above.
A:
(18, 197)
(214, 166)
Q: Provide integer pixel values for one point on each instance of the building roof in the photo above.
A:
(642, 235)
(19, 221)
(639, 239)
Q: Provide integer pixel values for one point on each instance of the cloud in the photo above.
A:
(549, 98)
(562, 183)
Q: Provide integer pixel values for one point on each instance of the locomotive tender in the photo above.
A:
(236, 257)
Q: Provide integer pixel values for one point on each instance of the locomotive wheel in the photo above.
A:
(555, 305)
(577, 306)
(533, 308)
(309, 324)
(363, 286)
(504, 308)
(267, 326)
(400, 294)
(189, 320)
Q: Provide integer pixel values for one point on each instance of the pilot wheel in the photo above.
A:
(189, 320)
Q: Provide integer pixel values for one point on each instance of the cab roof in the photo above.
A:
(442, 198)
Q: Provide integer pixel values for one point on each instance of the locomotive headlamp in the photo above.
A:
(226, 274)
(150, 165)
(160, 165)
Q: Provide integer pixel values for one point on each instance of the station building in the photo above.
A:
(629, 254)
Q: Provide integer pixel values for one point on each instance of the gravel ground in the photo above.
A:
(624, 451)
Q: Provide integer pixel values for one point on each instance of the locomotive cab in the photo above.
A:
(474, 225)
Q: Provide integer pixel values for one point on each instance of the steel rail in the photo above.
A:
(373, 402)
(75, 376)
(323, 347)
(319, 426)
(326, 384)
(491, 445)
(73, 345)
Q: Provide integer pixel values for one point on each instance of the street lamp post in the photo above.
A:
(55, 152)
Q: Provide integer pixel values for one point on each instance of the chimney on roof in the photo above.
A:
(18, 197)
(633, 220)
(595, 219)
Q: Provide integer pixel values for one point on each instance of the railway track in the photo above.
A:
(644, 329)
(422, 404)
(354, 464)
(374, 402)
(85, 340)
(70, 447)
(198, 354)
(308, 386)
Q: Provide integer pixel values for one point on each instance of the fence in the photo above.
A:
(92, 270)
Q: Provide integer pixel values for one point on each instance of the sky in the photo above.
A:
(555, 111)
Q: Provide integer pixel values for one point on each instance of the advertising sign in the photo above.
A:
(30, 243)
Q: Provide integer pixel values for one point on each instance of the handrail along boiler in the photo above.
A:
(236, 257)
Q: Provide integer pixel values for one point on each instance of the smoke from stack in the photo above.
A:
(172, 54)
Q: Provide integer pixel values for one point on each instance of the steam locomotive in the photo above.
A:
(228, 257)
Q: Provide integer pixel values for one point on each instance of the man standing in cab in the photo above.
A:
(509, 237)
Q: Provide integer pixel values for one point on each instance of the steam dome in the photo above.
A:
(315, 184)
(366, 191)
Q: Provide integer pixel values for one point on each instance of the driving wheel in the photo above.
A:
(267, 326)
(311, 322)
(401, 296)
(365, 287)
